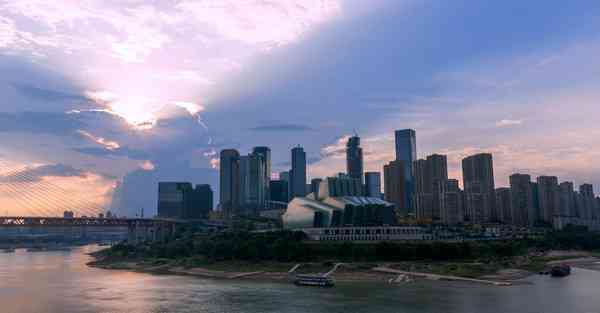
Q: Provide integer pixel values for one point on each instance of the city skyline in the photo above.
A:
(105, 101)
(282, 156)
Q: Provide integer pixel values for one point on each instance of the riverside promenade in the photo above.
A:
(440, 277)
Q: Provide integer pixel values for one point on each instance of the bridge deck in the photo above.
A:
(21, 221)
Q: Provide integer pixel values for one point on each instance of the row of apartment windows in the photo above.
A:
(374, 238)
(377, 231)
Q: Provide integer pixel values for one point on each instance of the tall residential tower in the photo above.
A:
(480, 191)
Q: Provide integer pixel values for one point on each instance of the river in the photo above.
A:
(32, 282)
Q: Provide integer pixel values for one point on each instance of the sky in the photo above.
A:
(102, 99)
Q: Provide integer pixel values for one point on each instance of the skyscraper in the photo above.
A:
(173, 197)
(567, 199)
(521, 190)
(252, 183)
(298, 173)
(229, 194)
(478, 180)
(588, 205)
(265, 153)
(182, 200)
(373, 184)
(354, 158)
(504, 205)
(203, 202)
(452, 213)
(279, 190)
(422, 198)
(549, 194)
(406, 151)
(314, 186)
(341, 186)
(285, 176)
(430, 177)
(395, 186)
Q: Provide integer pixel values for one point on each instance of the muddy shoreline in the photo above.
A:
(349, 272)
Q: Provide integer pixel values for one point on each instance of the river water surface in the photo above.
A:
(61, 282)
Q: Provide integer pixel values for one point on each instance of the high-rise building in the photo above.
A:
(422, 197)
(567, 199)
(598, 207)
(229, 192)
(244, 181)
(202, 199)
(279, 190)
(524, 211)
(588, 198)
(580, 210)
(298, 173)
(430, 177)
(253, 192)
(181, 200)
(373, 184)
(314, 186)
(549, 194)
(395, 186)
(478, 181)
(406, 151)
(340, 186)
(265, 153)
(452, 212)
(354, 158)
(504, 205)
(285, 176)
(536, 201)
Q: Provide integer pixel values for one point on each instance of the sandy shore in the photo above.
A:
(348, 273)
(342, 275)
(352, 272)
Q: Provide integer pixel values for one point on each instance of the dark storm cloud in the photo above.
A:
(119, 152)
(40, 122)
(45, 94)
(138, 188)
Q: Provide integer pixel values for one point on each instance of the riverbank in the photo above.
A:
(502, 272)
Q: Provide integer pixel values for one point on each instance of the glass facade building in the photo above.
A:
(298, 173)
(406, 151)
(183, 201)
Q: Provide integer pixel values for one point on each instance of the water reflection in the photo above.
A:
(59, 281)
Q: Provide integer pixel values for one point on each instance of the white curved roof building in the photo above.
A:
(306, 212)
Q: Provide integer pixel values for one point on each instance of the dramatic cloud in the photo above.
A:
(39, 122)
(268, 23)
(45, 94)
(35, 174)
(149, 91)
(108, 144)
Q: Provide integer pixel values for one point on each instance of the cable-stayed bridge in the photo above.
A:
(33, 208)
(28, 192)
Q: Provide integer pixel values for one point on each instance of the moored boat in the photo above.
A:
(313, 280)
(561, 270)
